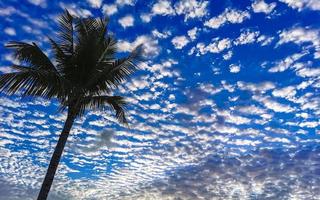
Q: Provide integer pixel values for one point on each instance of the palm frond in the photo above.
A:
(89, 27)
(110, 48)
(61, 57)
(86, 68)
(32, 82)
(112, 74)
(66, 21)
(31, 54)
(116, 103)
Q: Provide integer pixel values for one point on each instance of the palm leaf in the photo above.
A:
(116, 103)
(110, 48)
(32, 82)
(66, 32)
(31, 54)
(61, 57)
(112, 74)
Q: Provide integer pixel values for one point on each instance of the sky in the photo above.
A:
(226, 104)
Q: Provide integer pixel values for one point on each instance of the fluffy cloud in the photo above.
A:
(192, 33)
(41, 3)
(256, 87)
(110, 9)
(162, 8)
(234, 68)
(6, 69)
(151, 47)
(191, 8)
(274, 105)
(261, 6)
(75, 10)
(126, 21)
(180, 41)
(95, 3)
(228, 55)
(228, 16)
(285, 92)
(300, 36)
(145, 17)
(286, 63)
(7, 11)
(302, 4)
(247, 37)
(163, 35)
(309, 72)
(262, 174)
(264, 40)
(125, 2)
(216, 46)
(10, 31)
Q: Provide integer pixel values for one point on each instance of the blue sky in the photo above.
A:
(225, 106)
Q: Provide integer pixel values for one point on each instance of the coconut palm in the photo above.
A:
(84, 75)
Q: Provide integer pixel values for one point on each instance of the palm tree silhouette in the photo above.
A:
(85, 74)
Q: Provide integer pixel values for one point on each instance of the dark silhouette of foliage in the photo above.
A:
(85, 74)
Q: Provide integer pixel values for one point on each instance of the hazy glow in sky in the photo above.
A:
(226, 106)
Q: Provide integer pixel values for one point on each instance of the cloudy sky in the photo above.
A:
(225, 106)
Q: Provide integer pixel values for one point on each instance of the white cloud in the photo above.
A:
(110, 9)
(150, 45)
(276, 139)
(302, 4)
(145, 17)
(234, 119)
(264, 40)
(162, 7)
(274, 105)
(95, 3)
(309, 72)
(172, 97)
(228, 16)
(192, 33)
(75, 10)
(303, 115)
(126, 21)
(261, 6)
(256, 87)
(125, 2)
(300, 36)
(10, 31)
(234, 68)
(252, 110)
(286, 92)
(41, 3)
(6, 69)
(180, 41)
(7, 11)
(216, 46)
(228, 55)
(163, 35)
(312, 124)
(191, 8)
(286, 63)
(247, 37)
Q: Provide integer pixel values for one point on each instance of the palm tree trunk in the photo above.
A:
(55, 159)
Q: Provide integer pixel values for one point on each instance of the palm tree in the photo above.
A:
(84, 75)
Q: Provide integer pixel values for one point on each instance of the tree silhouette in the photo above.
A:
(85, 75)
